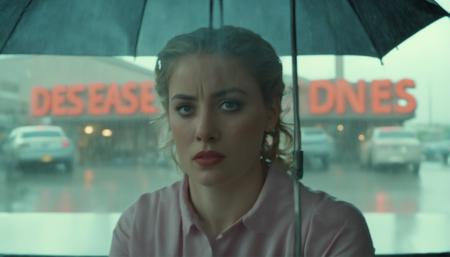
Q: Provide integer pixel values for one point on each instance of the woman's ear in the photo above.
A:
(273, 114)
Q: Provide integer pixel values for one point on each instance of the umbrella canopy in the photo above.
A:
(141, 28)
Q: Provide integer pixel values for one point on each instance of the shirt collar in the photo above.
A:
(275, 201)
(188, 215)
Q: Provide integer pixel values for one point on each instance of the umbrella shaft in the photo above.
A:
(298, 154)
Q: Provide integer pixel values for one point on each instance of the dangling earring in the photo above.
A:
(268, 137)
(158, 64)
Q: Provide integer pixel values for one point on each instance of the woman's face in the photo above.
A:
(218, 118)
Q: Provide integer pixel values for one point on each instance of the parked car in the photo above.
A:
(391, 146)
(316, 143)
(38, 144)
(431, 151)
(443, 150)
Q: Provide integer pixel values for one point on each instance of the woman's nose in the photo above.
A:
(207, 129)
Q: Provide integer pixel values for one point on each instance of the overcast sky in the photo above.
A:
(425, 58)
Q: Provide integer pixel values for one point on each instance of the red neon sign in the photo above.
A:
(380, 97)
(98, 99)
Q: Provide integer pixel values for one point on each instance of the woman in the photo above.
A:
(222, 90)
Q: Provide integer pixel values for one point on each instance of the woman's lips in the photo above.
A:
(208, 158)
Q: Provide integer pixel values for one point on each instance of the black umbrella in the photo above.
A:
(141, 27)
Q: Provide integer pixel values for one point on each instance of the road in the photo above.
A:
(103, 189)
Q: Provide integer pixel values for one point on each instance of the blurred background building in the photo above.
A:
(105, 105)
(47, 90)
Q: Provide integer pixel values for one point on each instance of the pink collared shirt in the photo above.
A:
(163, 224)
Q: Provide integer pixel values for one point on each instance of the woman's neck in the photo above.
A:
(221, 206)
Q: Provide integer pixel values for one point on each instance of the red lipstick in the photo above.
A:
(208, 158)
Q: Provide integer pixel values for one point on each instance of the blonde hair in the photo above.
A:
(256, 54)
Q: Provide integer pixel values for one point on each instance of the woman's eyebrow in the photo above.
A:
(184, 97)
(218, 94)
(228, 91)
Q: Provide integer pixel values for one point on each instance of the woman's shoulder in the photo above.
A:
(338, 225)
(159, 199)
(321, 206)
(145, 219)
(153, 204)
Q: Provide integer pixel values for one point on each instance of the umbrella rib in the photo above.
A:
(138, 33)
(15, 26)
(221, 12)
(211, 13)
(365, 30)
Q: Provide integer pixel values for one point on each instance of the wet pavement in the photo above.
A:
(102, 189)
(388, 189)
(97, 188)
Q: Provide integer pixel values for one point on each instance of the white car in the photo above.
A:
(391, 146)
(38, 144)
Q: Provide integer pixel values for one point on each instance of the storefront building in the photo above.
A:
(347, 110)
(104, 104)
(108, 121)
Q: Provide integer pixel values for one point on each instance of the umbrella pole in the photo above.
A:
(297, 169)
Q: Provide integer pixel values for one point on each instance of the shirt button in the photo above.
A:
(219, 236)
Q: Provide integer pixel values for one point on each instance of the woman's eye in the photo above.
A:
(231, 106)
(184, 110)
